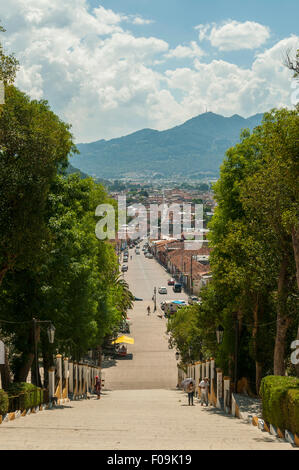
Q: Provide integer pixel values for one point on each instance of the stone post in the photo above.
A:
(208, 369)
(213, 383)
(75, 380)
(227, 394)
(80, 379)
(51, 373)
(196, 378)
(219, 388)
(59, 375)
(85, 368)
(71, 378)
(66, 377)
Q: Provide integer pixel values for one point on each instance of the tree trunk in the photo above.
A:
(258, 365)
(47, 360)
(295, 240)
(27, 359)
(23, 371)
(3, 271)
(5, 372)
(297, 366)
(282, 322)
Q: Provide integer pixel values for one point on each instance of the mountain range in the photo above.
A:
(193, 149)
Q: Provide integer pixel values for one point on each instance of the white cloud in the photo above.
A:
(184, 52)
(141, 21)
(228, 89)
(104, 80)
(234, 36)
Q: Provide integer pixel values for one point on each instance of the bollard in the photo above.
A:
(227, 397)
(58, 391)
(66, 377)
(71, 378)
(51, 375)
(219, 388)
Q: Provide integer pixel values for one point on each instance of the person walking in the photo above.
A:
(148, 310)
(204, 388)
(190, 391)
(97, 387)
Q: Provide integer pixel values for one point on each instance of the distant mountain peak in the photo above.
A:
(196, 147)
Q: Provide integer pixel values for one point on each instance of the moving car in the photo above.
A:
(162, 290)
(149, 256)
(192, 299)
(124, 268)
(171, 282)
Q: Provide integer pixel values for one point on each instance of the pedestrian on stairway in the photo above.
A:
(204, 388)
(190, 391)
(97, 387)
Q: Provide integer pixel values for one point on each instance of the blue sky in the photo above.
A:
(112, 67)
(174, 20)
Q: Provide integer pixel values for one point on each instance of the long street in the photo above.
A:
(140, 407)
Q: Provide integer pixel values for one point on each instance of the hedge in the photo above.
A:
(3, 402)
(280, 400)
(30, 395)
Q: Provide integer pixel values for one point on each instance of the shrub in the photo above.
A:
(30, 395)
(280, 399)
(3, 402)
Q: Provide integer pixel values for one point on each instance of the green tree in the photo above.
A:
(34, 143)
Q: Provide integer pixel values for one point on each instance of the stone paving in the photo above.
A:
(134, 420)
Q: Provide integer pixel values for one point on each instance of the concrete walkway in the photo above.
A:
(134, 420)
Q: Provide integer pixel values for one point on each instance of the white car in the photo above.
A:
(149, 256)
(162, 290)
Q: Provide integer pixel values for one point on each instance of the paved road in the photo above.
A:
(140, 408)
(150, 364)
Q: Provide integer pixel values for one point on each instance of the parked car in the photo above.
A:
(192, 299)
(162, 290)
(149, 256)
(177, 287)
(124, 268)
(171, 282)
(172, 306)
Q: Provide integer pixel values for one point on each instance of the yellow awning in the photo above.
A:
(123, 339)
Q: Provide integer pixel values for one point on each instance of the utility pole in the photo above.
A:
(35, 353)
(236, 351)
(191, 277)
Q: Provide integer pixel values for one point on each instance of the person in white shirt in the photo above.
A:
(204, 388)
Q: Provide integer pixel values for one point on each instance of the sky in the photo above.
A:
(112, 67)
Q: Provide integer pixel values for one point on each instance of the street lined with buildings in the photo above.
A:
(140, 407)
